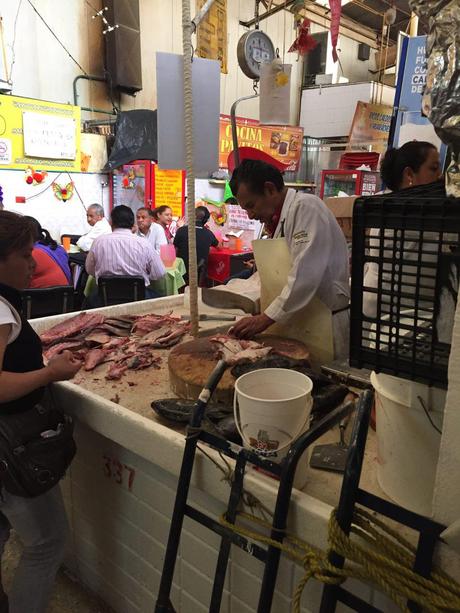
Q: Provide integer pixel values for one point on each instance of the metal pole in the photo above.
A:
(201, 14)
(236, 153)
(413, 25)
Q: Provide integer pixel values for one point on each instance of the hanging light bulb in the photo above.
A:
(390, 16)
(297, 6)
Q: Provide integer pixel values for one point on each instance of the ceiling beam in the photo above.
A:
(276, 9)
(320, 15)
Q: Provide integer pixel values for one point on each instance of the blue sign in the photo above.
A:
(414, 76)
(408, 122)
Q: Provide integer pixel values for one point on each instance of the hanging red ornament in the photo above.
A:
(34, 177)
(336, 9)
(38, 177)
(304, 41)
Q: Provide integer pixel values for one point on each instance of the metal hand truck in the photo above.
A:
(285, 471)
(351, 495)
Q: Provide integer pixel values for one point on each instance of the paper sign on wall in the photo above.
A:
(371, 125)
(238, 218)
(169, 188)
(5, 151)
(49, 136)
(12, 112)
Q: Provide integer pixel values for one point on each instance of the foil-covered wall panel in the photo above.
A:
(441, 99)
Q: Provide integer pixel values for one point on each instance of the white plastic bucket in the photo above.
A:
(408, 444)
(272, 408)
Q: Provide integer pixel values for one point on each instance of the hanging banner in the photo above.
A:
(371, 125)
(414, 77)
(45, 135)
(212, 33)
(410, 124)
(281, 142)
(169, 190)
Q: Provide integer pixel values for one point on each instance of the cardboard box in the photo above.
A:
(342, 208)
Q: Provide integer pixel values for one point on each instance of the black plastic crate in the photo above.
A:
(401, 321)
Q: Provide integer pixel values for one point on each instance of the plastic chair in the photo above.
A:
(41, 302)
(354, 159)
(73, 238)
(120, 289)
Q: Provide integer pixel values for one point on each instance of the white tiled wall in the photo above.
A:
(119, 538)
(329, 111)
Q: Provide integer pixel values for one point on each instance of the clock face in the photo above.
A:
(254, 48)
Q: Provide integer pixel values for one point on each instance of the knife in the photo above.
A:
(210, 317)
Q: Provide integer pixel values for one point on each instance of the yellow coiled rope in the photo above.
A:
(374, 554)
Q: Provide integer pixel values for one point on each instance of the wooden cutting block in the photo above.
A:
(190, 365)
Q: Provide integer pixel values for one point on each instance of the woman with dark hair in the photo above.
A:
(40, 522)
(415, 163)
(51, 261)
(163, 216)
(205, 239)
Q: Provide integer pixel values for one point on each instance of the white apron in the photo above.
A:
(313, 324)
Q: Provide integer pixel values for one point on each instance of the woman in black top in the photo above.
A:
(205, 239)
(39, 522)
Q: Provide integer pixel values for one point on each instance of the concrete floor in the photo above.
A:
(68, 597)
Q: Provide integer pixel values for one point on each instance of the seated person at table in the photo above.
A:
(124, 253)
(147, 228)
(205, 239)
(163, 217)
(51, 261)
(99, 226)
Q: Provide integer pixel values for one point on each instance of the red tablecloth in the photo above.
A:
(219, 262)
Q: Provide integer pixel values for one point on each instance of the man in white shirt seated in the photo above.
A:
(147, 228)
(124, 253)
(99, 226)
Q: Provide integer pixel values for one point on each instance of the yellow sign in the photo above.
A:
(371, 125)
(52, 135)
(169, 190)
(212, 33)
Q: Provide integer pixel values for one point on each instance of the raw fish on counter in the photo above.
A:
(126, 341)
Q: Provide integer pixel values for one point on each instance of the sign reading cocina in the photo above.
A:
(15, 112)
(281, 142)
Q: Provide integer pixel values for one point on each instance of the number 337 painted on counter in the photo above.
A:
(118, 472)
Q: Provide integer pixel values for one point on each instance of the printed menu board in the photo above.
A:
(169, 190)
(40, 134)
(281, 142)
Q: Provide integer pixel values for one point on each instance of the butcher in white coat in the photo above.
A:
(316, 243)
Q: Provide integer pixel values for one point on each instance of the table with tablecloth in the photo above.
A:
(170, 284)
(224, 262)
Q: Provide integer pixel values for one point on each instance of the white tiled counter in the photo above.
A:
(120, 493)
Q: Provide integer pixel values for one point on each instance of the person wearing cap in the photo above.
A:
(316, 244)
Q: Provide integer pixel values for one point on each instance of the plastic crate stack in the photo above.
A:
(402, 320)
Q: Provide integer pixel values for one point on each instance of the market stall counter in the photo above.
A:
(121, 488)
